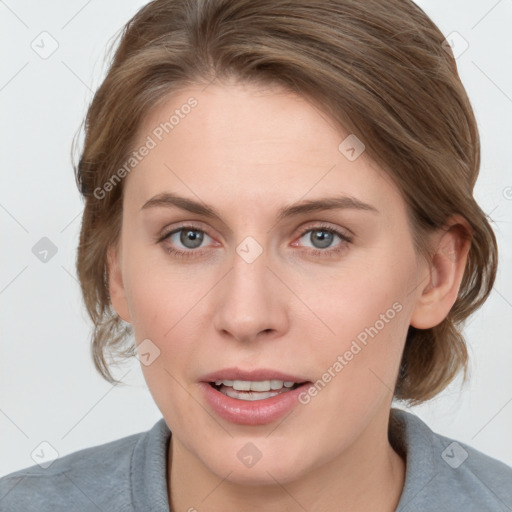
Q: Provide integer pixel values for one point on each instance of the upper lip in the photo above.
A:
(257, 374)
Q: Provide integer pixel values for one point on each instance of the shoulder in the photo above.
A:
(445, 474)
(89, 479)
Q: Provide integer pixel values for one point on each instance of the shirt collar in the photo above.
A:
(148, 470)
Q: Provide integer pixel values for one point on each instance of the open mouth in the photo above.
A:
(254, 390)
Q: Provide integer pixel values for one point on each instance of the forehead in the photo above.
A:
(224, 116)
(246, 142)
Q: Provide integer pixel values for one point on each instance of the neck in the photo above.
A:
(369, 475)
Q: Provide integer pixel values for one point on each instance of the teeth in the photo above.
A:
(244, 385)
(260, 385)
(251, 397)
(276, 384)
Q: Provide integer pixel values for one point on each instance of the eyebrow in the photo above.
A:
(342, 202)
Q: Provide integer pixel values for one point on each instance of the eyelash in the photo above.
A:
(315, 252)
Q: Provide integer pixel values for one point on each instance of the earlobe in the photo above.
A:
(116, 286)
(447, 266)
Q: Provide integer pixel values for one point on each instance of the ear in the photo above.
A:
(115, 284)
(447, 266)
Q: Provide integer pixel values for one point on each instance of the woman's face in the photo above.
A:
(267, 284)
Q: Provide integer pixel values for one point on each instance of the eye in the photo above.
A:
(187, 241)
(191, 238)
(188, 237)
(322, 238)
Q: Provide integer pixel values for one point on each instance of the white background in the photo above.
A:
(49, 388)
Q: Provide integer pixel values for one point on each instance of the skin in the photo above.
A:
(248, 152)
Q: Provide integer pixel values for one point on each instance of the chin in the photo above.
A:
(249, 465)
(259, 475)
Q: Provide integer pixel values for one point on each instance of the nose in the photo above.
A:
(250, 302)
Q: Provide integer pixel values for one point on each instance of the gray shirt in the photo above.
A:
(130, 474)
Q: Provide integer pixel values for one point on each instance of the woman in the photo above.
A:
(279, 206)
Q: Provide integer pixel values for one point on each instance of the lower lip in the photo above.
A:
(258, 412)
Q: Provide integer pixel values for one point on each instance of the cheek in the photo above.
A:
(368, 310)
(357, 296)
(166, 304)
(160, 293)
(163, 312)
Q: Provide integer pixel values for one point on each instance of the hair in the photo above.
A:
(379, 69)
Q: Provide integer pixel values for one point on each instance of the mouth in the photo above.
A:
(253, 390)
(257, 396)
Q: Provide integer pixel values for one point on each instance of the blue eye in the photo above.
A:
(192, 238)
(189, 237)
(322, 238)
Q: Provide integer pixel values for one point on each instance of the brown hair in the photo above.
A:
(379, 69)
